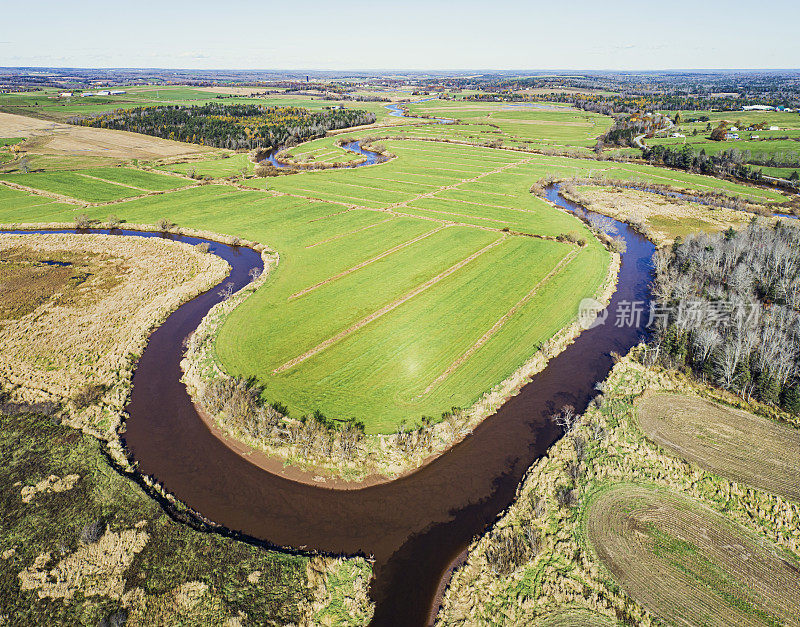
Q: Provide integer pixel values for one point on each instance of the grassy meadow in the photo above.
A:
(392, 297)
(97, 184)
(628, 492)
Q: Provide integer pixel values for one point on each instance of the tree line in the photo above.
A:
(729, 309)
(237, 126)
(732, 162)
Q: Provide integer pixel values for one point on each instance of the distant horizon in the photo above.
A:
(404, 70)
(425, 34)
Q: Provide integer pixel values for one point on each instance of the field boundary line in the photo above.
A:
(97, 178)
(483, 204)
(380, 178)
(456, 185)
(343, 202)
(363, 228)
(565, 261)
(463, 215)
(385, 253)
(41, 192)
(377, 189)
(330, 215)
(387, 308)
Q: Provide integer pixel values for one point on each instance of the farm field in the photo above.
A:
(730, 442)
(98, 184)
(48, 105)
(710, 569)
(450, 224)
(438, 260)
(15, 203)
(540, 122)
(214, 166)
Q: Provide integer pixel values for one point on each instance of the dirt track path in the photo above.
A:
(385, 253)
(501, 322)
(386, 308)
(358, 230)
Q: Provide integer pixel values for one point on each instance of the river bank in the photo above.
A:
(605, 448)
(375, 459)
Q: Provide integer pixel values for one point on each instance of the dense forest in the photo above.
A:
(729, 309)
(239, 126)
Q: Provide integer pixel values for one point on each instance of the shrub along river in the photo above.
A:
(416, 527)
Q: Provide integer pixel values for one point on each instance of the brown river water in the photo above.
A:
(415, 527)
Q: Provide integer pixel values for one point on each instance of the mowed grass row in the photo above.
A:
(393, 360)
(710, 570)
(97, 184)
(19, 204)
(377, 372)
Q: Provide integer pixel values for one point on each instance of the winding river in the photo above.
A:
(353, 146)
(416, 527)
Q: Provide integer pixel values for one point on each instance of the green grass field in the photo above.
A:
(404, 288)
(98, 184)
(441, 267)
(783, 143)
(541, 124)
(215, 167)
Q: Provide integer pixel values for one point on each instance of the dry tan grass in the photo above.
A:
(664, 218)
(52, 483)
(54, 138)
(88, 327)
(565, 575)
(575, 618)
(93, 569)
(726, 441)
(688, 564)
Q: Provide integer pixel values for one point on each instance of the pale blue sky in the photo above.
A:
(409, 34)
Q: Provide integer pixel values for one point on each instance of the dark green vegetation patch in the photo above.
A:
(101, 502)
